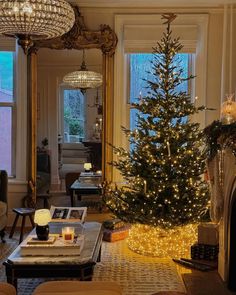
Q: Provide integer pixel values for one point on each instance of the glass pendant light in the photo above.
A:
(29, 20)
(83, 79)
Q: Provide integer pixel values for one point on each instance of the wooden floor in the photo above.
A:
(203, 283)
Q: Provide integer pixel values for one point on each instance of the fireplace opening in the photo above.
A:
(232, 245)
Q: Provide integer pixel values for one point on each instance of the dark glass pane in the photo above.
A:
(73, 116)
(6, 139)
(6, 76)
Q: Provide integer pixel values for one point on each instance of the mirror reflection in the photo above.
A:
(70, 119)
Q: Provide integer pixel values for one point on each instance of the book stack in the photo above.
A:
(207, 247)
(115, 230)
(55, 246)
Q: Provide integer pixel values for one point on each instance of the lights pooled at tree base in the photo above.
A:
(154, 241)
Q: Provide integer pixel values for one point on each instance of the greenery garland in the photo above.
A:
(220, 136)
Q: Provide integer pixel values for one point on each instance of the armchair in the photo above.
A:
(3, 202)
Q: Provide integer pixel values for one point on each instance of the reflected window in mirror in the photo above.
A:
(73, 115)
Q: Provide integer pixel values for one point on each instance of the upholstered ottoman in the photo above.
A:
(78, 288)
(7, 289)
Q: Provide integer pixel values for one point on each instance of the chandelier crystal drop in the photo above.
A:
(83, 79)
(29, 20)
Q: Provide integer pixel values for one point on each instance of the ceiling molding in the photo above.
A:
(152, 3)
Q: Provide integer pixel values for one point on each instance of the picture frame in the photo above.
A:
(69, 214)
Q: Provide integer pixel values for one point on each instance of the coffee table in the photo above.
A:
(80, 266)
(85, 186)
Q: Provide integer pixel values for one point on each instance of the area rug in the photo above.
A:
(136, 274)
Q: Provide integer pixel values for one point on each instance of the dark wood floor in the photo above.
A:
(203, 283)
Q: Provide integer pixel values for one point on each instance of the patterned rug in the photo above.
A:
(135, 273)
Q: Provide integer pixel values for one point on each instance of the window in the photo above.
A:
(141, 69)
(7, 110)
(73, 115)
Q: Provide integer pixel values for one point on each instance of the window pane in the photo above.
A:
(141, 70)
(6, 139)
(73, 116)
(6, 76)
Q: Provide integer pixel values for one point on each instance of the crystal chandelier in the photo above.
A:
(29, 20)
(83, 79)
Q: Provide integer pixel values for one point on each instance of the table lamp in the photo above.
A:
(42, 217)
(87, 167)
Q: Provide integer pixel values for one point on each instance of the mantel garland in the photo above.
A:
(219, 137)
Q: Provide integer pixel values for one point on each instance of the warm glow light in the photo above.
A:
(87, 166)
(153, 241)
(42, 217)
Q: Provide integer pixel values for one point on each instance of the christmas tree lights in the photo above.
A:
(163, 170)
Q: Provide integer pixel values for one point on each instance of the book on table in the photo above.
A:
(56, 246)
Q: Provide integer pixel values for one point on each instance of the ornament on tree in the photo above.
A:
(163, 169)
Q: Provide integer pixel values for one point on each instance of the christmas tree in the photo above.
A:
(163, 168)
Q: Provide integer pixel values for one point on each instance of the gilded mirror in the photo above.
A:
(78, 38)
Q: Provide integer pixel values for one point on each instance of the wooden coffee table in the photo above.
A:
(80, 266)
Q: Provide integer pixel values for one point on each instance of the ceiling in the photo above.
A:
(151, 3)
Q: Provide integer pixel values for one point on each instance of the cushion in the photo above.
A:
(7, 289)
(78, 288)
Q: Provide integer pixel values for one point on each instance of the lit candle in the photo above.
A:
(145, 186)
(68, 234)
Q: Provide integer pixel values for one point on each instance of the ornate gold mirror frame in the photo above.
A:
(79, 37)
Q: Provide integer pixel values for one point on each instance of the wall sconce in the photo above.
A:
(228, 110)
(42, 217)
(87, 167)
(97, 104)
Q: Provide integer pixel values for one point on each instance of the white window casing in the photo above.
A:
(139, 34)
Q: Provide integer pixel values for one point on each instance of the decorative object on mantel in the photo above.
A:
(29, 20)
(83, 79)
(228, 110)
(219, 138)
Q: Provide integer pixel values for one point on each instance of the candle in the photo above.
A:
(168, 148)
(145, 186)
(68, 234)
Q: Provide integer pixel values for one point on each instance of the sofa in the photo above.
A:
(3, 202)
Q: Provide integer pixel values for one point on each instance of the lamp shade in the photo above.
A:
(87, 166)
(29, 20)
(42, 217)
